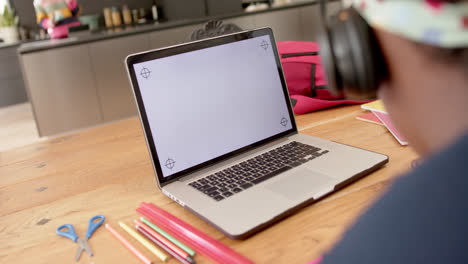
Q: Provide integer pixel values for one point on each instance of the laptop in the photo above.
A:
(222, 137)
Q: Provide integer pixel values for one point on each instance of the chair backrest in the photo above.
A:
(213, 28)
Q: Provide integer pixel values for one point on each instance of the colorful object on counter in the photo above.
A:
(82, 242)
(108, 17)
(116, 18)
(145, 233)
(169, 237)
(128, 245)
(156, 251)
(201, 242)
(56, 16)
(135, 16)
(127, 15)
(91, 20)
(172, 249)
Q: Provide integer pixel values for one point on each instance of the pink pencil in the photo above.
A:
(127, 244)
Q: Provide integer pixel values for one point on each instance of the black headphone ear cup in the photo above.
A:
(358, 58)
(328, 61)
(342, 49)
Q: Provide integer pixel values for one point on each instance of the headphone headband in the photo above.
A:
(350, 54)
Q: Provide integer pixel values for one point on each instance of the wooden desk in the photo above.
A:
(106, 170)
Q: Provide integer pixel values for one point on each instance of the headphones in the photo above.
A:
(351, 55)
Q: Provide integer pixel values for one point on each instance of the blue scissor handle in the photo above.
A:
(70, 233)
(92, 226)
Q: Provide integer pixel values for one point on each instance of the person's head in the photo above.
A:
(426, 91)
(425, 48)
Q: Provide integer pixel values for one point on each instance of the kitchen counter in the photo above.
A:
(8, 45)
(140, 29)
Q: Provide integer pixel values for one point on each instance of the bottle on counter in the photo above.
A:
(127, 15)
(42, 34)
(135, 16)
(154, 11)
(108, 17)
(116, 19)
(142, 16)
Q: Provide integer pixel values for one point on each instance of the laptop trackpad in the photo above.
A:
(301, 183)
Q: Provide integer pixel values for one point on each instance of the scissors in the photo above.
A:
(69, 232)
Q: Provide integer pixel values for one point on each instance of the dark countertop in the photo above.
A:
(109, 34)
(15, 44)
(9, 45)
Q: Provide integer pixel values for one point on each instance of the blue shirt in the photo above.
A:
(422, 219)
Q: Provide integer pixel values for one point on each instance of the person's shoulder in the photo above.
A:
(422, 217)
(449, 163)
(442, 175)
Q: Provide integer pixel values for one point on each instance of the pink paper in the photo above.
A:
(316, 261)
(369, 117)
(385, 118)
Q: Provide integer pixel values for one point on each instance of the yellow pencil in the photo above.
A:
(144, 242)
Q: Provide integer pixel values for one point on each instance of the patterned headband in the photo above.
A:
(430, 22)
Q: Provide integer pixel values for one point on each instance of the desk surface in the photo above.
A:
(106, 170)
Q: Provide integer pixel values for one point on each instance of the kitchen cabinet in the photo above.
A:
(12, 89)
(60, 83)
(112, 86)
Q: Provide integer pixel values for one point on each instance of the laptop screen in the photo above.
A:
(207, 103)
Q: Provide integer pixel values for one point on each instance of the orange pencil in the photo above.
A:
(128, 245)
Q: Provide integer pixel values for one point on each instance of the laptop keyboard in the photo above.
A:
(246, 174)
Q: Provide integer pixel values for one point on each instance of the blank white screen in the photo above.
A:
(204, 104)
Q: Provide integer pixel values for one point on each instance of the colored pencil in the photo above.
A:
(150, 246)
(196, 239)
(166, 242)
(157, 242)
(128, 245)
(169, 237)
